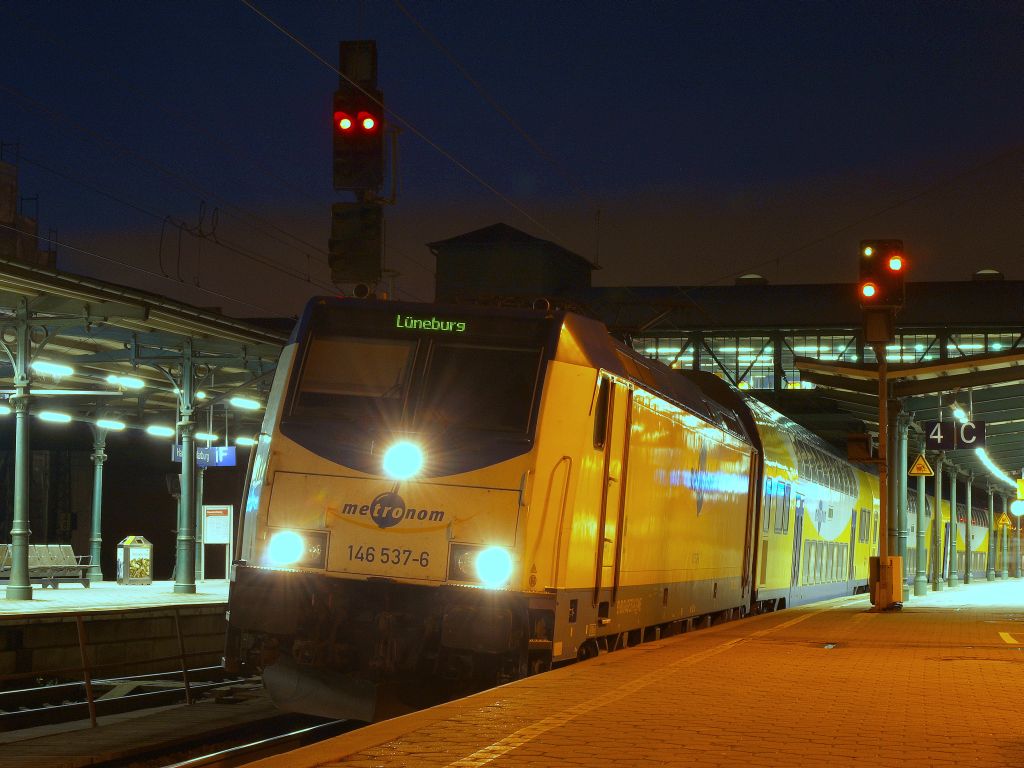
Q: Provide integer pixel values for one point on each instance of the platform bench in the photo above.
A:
(48, 564)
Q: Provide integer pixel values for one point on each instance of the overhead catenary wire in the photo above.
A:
(209, 237)
(535, 145)
(180, 180)
(118, 262)
(686, 292)
(403, 121)
(228, 147)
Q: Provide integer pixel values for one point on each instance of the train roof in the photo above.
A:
(587, 342)
(580, 340)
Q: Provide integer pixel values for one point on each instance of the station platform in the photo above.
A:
(123, 629)
(940, 683)
(109, 596)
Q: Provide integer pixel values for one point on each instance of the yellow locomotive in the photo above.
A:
(473, 494)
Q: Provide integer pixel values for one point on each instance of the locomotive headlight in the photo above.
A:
(285, 548)
(403, 460)
(494, 567)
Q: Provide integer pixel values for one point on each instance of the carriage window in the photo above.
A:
(479, 388)
(347, 376)
(766, 507)
(601, 413)
(782, 509)
(808, 562)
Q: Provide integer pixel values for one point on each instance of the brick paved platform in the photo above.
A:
(939, 684)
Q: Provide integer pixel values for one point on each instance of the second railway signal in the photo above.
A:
(882, 267)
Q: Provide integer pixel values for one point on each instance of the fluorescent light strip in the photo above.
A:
(246, 403)
(54, 416)
(999, 474)
(51, 369)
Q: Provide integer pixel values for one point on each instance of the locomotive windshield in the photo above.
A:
(460, 387)
(482, 388)
(353, 378)
(468, 385)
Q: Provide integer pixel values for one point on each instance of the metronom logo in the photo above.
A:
(389, 509)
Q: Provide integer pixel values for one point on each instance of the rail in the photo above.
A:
(87, 668)
(272, 745)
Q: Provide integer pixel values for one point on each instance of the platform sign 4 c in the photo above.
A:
(951, 435)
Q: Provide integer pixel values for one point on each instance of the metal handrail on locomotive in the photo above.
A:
(469, 495)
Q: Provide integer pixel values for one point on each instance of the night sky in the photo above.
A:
(714, 138)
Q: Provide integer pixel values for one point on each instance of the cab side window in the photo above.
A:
(601, 413)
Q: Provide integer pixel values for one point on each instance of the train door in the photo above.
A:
(853, 543)
(798, 532)
(613, 493)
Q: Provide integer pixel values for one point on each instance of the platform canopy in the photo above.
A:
(125, 350)
(987, 388)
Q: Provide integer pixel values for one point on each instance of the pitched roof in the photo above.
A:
(503, 234)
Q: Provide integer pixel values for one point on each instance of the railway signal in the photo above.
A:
(356, 243)
(882, 267)
(358, 141)
(880, 291)
(357, 120)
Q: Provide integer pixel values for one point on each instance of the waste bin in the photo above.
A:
(134, 560)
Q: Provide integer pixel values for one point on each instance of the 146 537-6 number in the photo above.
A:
(388, 556)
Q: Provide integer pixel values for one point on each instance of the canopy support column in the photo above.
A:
(990, 572)
(921, 566)
(952, 575)
(1016, 561)
(902, 520)
(99, 443)
(967, 530)
(200, 549)
(1005, 573)
(937, 583)
(185, 574)
(19, 587)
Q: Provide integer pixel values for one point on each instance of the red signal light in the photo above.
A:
(368, 121)
(868, 290)
(342, 121)
(896, 262)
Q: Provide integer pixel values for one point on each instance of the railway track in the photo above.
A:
(65, 702)
(239, 754)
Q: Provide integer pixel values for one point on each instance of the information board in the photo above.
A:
(217, 523)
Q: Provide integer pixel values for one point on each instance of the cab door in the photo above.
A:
(618, 397)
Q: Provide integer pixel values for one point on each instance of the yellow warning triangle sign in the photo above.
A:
(1003, 520)
(921, 467)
